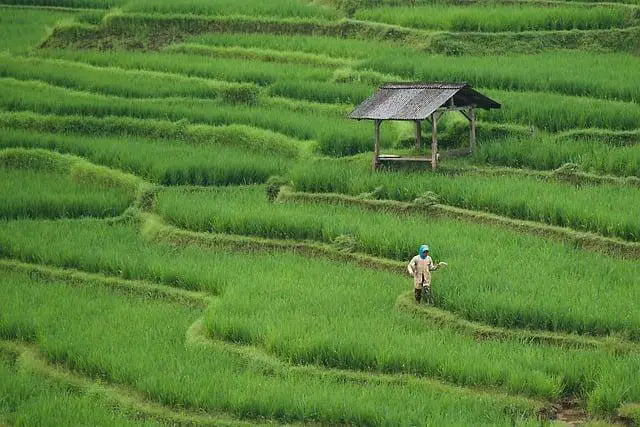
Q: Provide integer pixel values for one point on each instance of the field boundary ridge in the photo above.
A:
(584, 240)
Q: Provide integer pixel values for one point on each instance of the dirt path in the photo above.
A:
(568, 412)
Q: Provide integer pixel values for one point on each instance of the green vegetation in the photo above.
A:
(88, 4)
(113, 81)
(350, 138)
(170, 163)
(334, 47)
(258, 54)
(41, 194)
(23, 29)
(555, 113)
(522, 197)
(495, 18)
(190, 377)
(355, 341)
(191, 234)
(30, 400)
(608, 76)
(233, 136)
(280, 9)
(36, 184)
(230, 70)
(556, 293)
(550, 153)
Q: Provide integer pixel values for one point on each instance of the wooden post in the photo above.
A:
(434, 140)
(472, 134)
(376, 148)
(418, 134)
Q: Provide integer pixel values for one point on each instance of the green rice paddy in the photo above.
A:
(191, 233)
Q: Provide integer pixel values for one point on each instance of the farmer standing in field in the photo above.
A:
(420, 267)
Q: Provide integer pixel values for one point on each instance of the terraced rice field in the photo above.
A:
(191, 234)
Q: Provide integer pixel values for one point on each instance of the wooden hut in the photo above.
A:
(418, 102)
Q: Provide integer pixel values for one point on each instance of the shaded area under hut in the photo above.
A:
(418, 102)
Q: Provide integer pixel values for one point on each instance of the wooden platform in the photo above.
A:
(396, 158)
(392, 158)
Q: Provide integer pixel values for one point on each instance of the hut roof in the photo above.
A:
(416, 101)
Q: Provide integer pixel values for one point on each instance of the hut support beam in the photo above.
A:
(472, 132)
(418, 134)
(471, 116)
(376, 148)
(434, 140)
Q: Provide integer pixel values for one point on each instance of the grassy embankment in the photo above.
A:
(250, 78)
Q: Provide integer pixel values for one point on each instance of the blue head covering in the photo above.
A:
(423, 251)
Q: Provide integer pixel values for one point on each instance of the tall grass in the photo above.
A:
(126, 83)
(28, 399)
(128, 340)
(23, 29)
(555, 112)
(333, 47)
(37, 184)
(168, 162)
(230, 70)
(349, 93)
(279, 8)
(347, 138)
(123, 252)
(301, 309)
(612, 210)
(526, 42)
(33, 194)
(354, 5)
(601, 75)
(548, 111)
(255, 140)
(495, 18)
(265, 55)
(557, 291)
(88, 4)
(550, 153)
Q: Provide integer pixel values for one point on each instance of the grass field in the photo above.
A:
(492, 18)
(191, 234)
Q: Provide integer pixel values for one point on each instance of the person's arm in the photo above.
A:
(410, 267)
(440, 264)
(434, 267)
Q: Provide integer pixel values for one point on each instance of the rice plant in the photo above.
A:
(279, 8)
(24, 29)
(303, 310)
(349, 138)
(549, 153)
(38, 184)
(265, 55)
(88, 4)
(571, 72)
(563, 301)
(530, 198)
(126, 83)
(256, 140)
(336, 93)
(33, 194)
(190, 65)
(333, 47)
(169, 162)
(553, 112)
(127, 340)
(496, 18)
(28, 399)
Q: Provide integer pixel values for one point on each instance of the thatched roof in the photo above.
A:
(416, 101)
